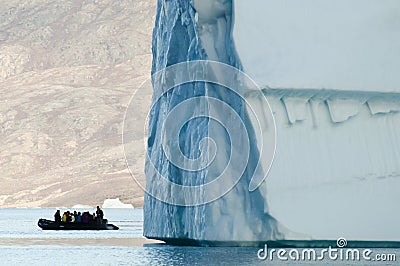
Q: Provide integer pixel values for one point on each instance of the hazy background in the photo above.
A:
(67, 72)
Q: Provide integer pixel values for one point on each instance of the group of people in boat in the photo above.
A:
(78, 217)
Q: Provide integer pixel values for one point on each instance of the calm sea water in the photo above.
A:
(21, 225)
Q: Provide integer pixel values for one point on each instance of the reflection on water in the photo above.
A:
(149, 255)
(162, 255)
(154, 255)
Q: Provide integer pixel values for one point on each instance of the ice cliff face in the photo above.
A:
(186, 31)
(336, 170)
(331, 76)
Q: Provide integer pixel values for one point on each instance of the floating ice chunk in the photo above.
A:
(116, 204)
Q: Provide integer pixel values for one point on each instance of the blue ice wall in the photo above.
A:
(182, 34)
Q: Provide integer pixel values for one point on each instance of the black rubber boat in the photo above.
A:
(52, 225)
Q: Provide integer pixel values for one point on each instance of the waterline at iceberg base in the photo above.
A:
(336, 169)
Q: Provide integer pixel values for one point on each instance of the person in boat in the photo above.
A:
(85, 217)
(99, 215)
(64, 217)
(69, 217)
(72, 217)
(57, 216)
(78, 218)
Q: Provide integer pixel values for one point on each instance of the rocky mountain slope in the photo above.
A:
(67, 72)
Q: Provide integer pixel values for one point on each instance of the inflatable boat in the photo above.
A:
(52, 225)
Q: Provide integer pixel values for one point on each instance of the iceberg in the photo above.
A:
(329, 77)
(116, 204)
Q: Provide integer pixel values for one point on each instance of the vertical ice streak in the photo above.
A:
(188, 31)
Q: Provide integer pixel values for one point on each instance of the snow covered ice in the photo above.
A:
(330, 76)
(116, 204)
